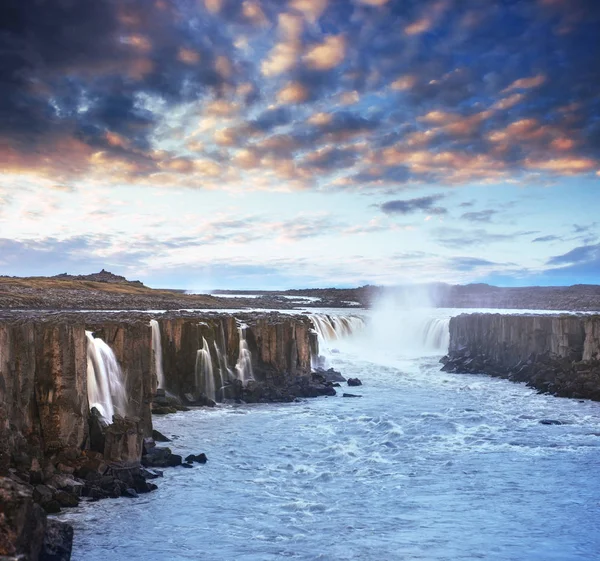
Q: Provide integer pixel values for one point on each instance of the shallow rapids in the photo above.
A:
(425, 466)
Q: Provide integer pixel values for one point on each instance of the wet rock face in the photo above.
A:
(280, 347)
(43, 403)
(554, 354)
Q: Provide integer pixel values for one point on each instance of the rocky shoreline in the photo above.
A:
(559, 355)
(58, 453)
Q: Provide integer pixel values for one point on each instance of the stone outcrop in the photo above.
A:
(555, 354)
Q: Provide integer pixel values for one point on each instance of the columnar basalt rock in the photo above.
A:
(555, 354)
(44, 410)
(182, 337)
(63, 452)
(43, 403)
(280, 347)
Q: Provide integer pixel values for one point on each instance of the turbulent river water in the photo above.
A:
(424, 466)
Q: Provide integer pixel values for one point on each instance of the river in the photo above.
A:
(424, 466)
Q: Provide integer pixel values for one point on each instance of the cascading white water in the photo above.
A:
(386, 329)
(225, 372)
(157, 352)
(243, 367)
(436, 334)
(407, 331)
(106, 386)
(205, 380)
(332, 328)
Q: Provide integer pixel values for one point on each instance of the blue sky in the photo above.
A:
(302, 143)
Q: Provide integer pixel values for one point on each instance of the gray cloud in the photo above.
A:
(409, 206)
(581, 254)
(479, 216)
(550, 238)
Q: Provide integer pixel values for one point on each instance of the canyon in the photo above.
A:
(78, 390)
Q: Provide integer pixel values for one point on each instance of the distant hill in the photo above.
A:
(102, 276)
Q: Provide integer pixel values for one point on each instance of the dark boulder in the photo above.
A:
(199, 458)
(163, 410)
(97, 427)
(161, 457)
(58, 542)
(350, 395)
(159, 436)
(354, 382)
(550, 422)
(329, 375)
(65, 499)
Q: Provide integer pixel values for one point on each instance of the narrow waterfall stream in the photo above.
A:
(157, 351)
(243, 367)
(205, 380)
(106, 386)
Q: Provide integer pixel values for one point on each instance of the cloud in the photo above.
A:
(455, 238)
(479, 216)
(549, 238)
(293, 92)
(409, 206)
(326, 55)
(433, 91)
(578, 255)
(469, 263)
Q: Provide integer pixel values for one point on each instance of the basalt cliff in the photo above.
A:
(54, 451)
(557, 354)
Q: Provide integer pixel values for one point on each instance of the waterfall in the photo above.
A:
(157, 351)
(106, 387)
(243, 367)
(331, 328)
(407, 332)
(384, 330)
(435, 334)
(225, 373)
(205, 380)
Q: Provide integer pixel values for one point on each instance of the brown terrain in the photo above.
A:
(107, 291)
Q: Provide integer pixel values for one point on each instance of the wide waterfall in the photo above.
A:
(407, 331)
(205, 380)
(106, 386)
(332, 328)
(157, 352)
(243, 367)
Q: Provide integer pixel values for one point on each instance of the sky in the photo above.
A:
(210, 144)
